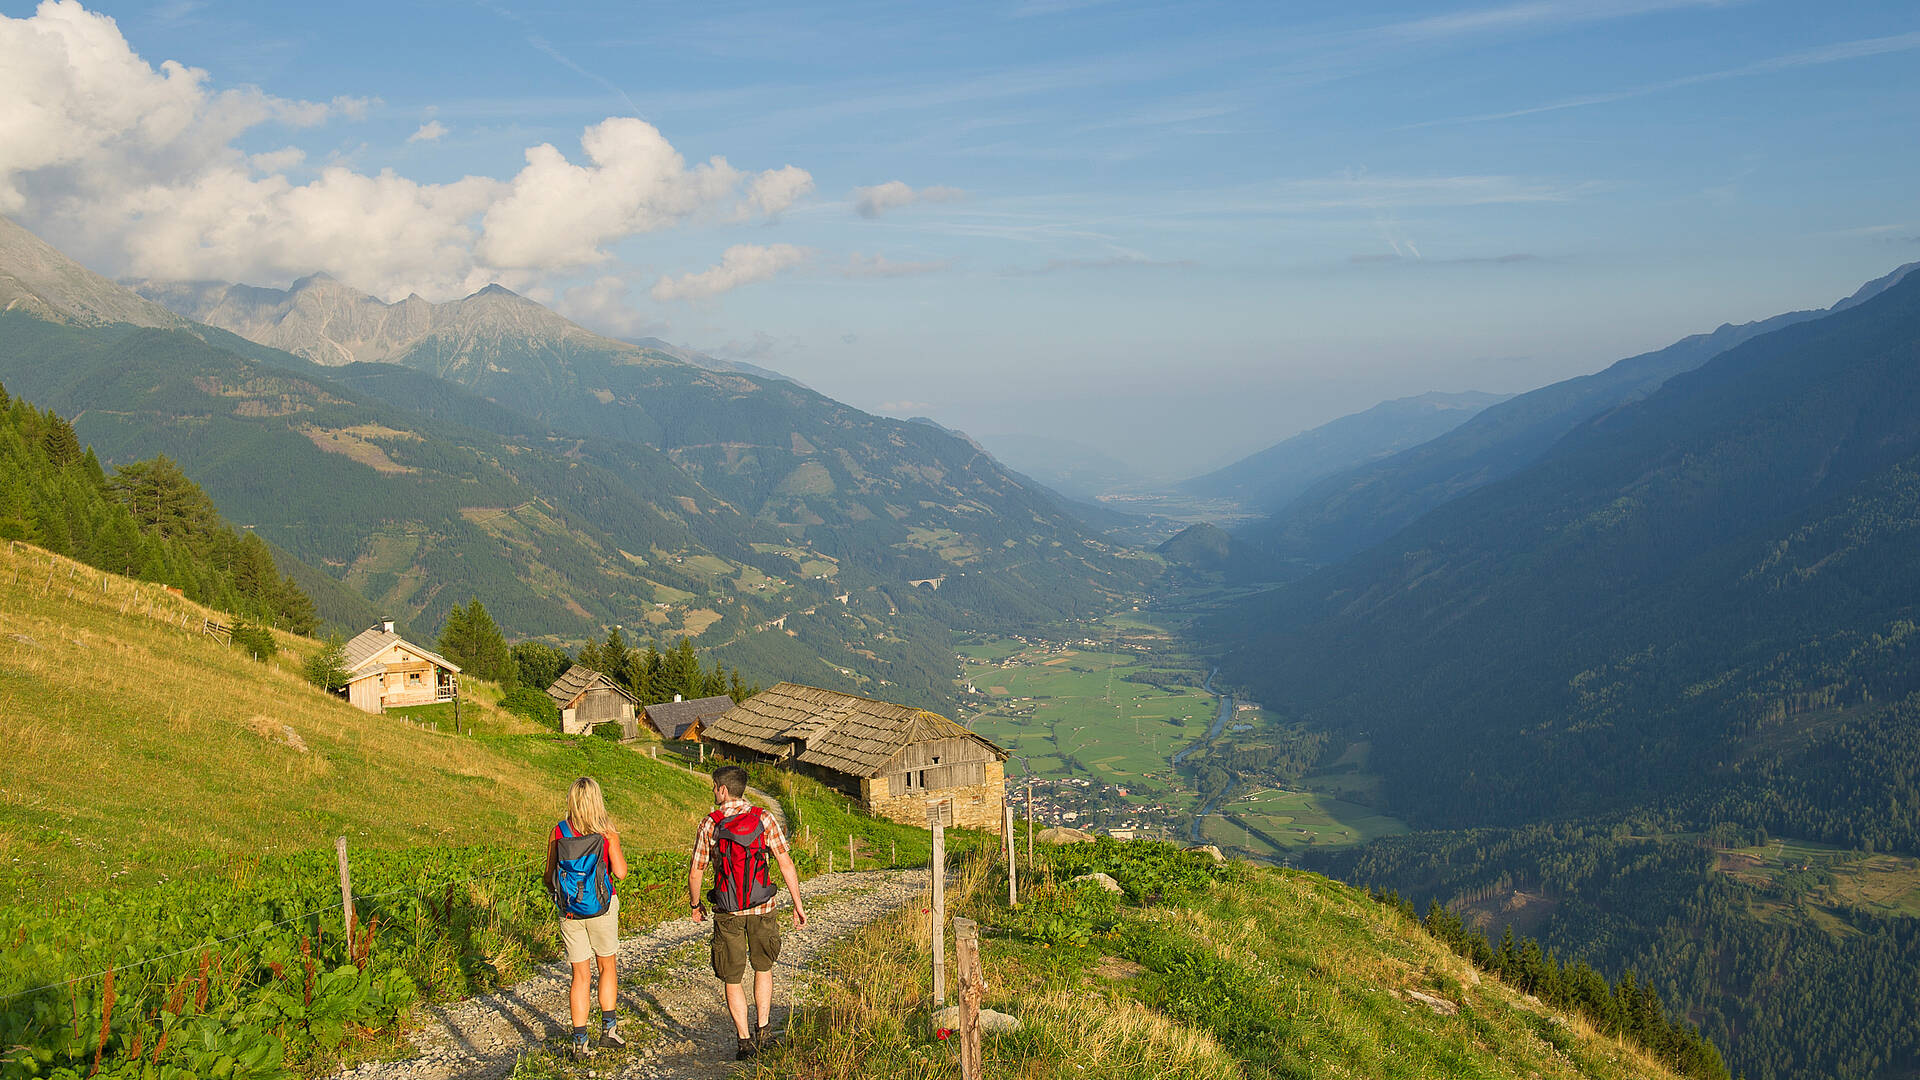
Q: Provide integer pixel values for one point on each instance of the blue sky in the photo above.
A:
(1174, 232)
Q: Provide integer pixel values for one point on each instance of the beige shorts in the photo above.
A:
(588, 938)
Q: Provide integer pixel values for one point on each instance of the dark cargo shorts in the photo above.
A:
(738, 939)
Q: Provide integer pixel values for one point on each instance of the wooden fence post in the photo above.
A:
(1013, 872)
(346, 889)
(938, 864)
(849, 851)
(973, 986)
(893, 859)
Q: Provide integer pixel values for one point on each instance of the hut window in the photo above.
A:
(413, 677)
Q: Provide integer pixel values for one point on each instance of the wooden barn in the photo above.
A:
(588, 699)
(893, 758)
(384, 669)
(679, 719)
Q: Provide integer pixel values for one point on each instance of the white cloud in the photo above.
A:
(741, 264)
(135, 170)
(776, 189)
(429, 132)
(871, 202)
(606, 304)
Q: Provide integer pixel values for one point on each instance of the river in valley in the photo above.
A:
(1219, 725)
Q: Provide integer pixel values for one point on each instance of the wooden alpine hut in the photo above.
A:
(385, 669)
(893, 758)
(679, 719)
(586, 698)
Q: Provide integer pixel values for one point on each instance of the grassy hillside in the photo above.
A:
(1195, 971)
(139, 748)
(168, 812)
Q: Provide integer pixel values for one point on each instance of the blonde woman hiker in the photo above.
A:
(583, 861)
(736, 840)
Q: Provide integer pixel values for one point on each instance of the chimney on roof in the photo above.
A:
(676, 697)
(387, 625)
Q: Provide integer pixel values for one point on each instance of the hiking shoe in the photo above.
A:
(610, 1038)
(747, 1049)
(583, 1050)
(763, 1036)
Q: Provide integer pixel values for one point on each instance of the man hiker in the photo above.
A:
(736, 840)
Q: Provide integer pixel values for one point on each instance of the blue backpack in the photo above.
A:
(580, 884)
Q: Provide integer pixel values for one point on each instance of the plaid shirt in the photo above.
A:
(775, 836)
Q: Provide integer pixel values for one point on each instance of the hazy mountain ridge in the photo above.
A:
(38, 280)
(1349, 511)
(331, 323)
(1268, 480)
(904, 498)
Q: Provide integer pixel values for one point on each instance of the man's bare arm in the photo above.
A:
(791, 874)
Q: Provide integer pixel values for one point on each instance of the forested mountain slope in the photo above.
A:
(1688, 629)
(417, 513)
(1678, 580)
(906, 500)
(1266, 481)
(1355, 509)
(146, 520)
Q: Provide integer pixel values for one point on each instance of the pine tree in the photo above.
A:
(473, 640)
(60, 442)
(683, 675)
(616, 658)
(295, 608)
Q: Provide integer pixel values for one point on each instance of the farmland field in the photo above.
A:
(1072, 710)
(1295, 819)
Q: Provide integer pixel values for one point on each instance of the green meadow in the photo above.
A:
(1269, 823)
(1073, 711)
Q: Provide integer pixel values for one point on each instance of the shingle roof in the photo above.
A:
(831, 730)
(578, 680)
(368, 644)
(673, 719)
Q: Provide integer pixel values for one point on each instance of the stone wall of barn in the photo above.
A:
(974, 806)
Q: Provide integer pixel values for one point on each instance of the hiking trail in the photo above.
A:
(671, 1010)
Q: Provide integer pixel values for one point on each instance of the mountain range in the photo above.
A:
(571, 481)
(1350, 510)
(1266, 481)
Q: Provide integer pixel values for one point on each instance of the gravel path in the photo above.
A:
(665, 985)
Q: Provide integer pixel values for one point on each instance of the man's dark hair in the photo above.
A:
(733, 778)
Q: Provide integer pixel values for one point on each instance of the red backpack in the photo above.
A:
(739, 862)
